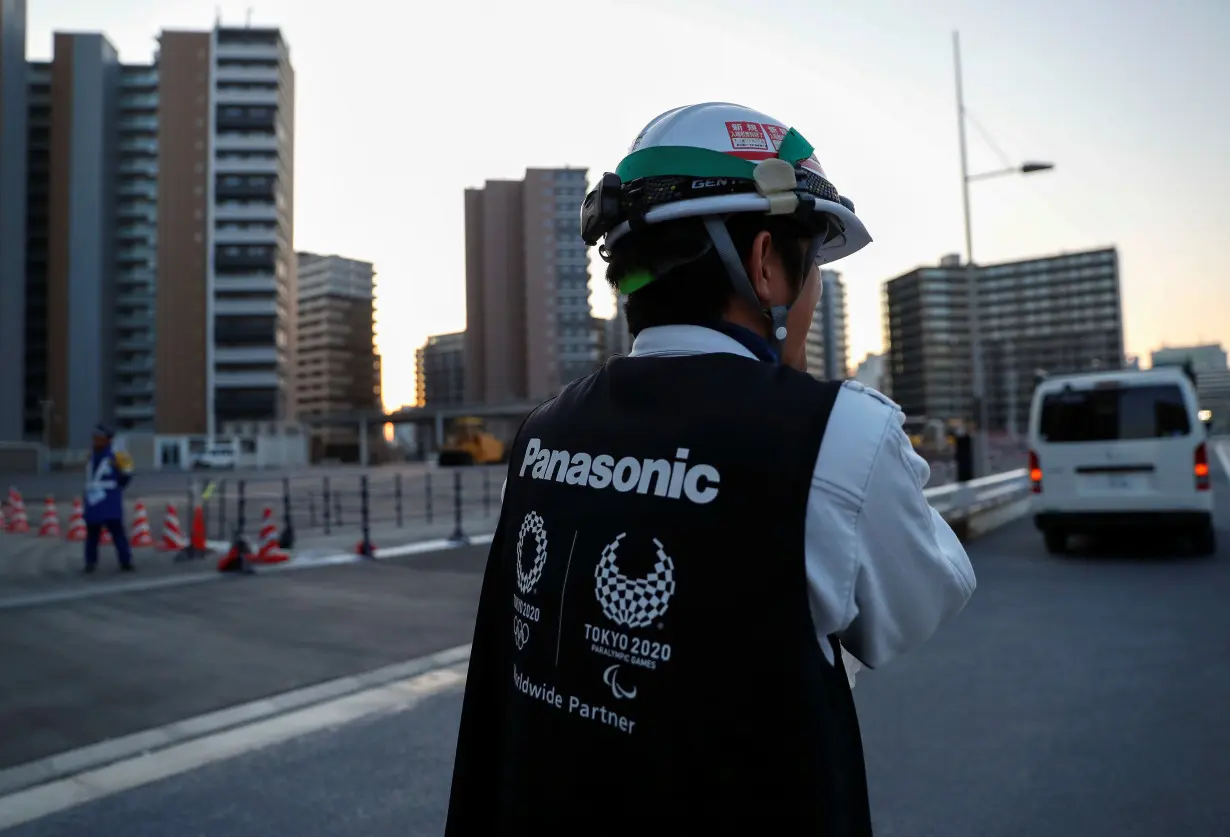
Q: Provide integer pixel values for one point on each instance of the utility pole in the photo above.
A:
(978, 411)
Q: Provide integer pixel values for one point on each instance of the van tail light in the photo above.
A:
(1035, 474)
(1201, 468)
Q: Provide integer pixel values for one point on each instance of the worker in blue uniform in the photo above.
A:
(107, 475)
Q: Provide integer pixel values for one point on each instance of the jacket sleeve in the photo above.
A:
(912, 573)
(476, 768)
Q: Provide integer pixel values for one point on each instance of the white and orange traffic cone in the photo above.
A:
(105, 538)
(271, 551)
(173, 539)
(18, 522)
(50, 527)
(141, 535)
(76, 523)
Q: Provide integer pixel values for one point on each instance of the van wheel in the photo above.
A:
(1205, 541)
(1056, 541)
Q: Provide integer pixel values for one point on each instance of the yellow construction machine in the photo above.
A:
(469, 443)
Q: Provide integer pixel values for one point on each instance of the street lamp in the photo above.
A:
(971, 280)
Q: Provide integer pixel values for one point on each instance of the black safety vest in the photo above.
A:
(644, 659)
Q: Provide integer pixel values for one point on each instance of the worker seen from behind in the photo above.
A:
(692, 536)
(107, 475)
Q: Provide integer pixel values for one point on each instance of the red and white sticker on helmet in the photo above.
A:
(776, 134)
(747, 136)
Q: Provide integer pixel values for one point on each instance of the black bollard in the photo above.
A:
(287, 540)
(365, 549)
(458, 536)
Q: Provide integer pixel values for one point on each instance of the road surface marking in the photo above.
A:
(436, 673)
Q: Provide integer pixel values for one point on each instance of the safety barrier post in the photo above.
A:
(325, 503)
(365, 546)
(239, 544)
(397, 499)
(222, 508)
(428, 495)
(458, 536)
(287, 540)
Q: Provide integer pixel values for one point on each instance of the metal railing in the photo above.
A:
(346, 512)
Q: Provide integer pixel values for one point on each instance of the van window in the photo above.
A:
(1113, 414)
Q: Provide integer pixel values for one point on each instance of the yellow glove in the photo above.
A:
(123, 460)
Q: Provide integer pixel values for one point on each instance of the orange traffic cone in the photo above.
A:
(50, 527)
(198, 529)
(76, 523)
(173, 539)
(141, 535)
(18, 522)
(105, 538)
(271, 551)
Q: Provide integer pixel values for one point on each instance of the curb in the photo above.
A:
(22, 777)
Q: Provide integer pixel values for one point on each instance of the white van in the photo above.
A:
(1112, 450)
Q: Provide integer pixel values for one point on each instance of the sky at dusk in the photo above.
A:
(401, 106)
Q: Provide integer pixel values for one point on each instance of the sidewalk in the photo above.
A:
(85, 671)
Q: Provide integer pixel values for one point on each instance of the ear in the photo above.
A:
(760, 264)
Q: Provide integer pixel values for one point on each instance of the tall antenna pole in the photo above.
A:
(977, 373)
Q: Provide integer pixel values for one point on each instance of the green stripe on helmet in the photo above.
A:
(794, 149)
(682, 161)
(690, 161)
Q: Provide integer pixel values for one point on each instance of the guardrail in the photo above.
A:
(960, 502)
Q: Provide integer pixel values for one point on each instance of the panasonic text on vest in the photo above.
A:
(662, 477)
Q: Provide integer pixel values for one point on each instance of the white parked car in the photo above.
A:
(223, 456)
(1111, 451)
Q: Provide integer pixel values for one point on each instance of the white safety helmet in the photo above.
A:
(712, 161)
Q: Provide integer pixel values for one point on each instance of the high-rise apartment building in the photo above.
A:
(528, 327)
(246, 147)
(13, 161)
(1056, 314)
(160, 203)
(338, 368)
(828, 353)
(93, 164)
(440, 374)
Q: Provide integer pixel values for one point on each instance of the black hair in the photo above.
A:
(695, 291)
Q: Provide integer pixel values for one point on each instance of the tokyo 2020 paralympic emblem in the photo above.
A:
(634, 602)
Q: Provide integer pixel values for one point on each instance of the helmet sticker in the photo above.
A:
(746, 135)
(776, 134)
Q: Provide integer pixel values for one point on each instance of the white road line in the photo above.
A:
(90, 783)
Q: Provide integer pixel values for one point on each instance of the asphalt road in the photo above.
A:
(100, 668)
(1084, 696)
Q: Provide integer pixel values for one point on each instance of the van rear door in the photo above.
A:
(1112, 442)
